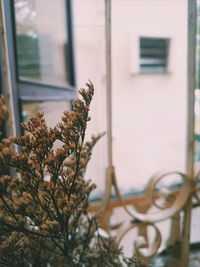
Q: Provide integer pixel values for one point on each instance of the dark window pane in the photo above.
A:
(153, 55)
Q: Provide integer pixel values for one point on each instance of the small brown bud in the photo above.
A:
(6, 151)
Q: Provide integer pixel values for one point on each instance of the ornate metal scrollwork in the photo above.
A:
(141, 242)
(168, 210)
(172, 203)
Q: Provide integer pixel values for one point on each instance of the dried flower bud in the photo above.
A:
(6, 151)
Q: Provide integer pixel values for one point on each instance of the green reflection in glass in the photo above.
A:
(42, 41)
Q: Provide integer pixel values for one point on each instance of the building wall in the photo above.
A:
(149, 110)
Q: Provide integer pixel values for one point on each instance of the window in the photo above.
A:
(153, 55)
(40, 49)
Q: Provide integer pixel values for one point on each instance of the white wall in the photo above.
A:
(90, 64)
(149, 110)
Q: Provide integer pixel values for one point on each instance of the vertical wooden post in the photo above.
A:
(190, 133)
(110, 172)
(109, 78)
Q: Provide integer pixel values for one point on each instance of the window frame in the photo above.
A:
(25, 89)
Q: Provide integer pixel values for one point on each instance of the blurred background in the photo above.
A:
(57, 45)
(149, 66)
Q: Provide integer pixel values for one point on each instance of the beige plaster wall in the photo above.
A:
(149, 110)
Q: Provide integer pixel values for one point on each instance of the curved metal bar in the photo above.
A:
(183, 199)
(163, 214)
(140, 242)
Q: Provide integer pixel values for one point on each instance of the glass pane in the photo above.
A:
(42, 41)
(52, 110)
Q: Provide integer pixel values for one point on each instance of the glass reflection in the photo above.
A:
(52, 110)
(42, 41)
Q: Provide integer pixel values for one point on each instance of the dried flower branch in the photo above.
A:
(46, 220)
(44, 215)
